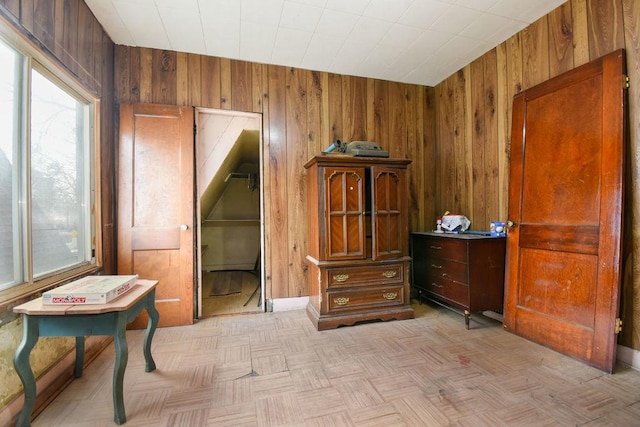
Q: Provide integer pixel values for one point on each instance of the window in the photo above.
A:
(47, 224)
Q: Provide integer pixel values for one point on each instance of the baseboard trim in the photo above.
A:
(285, 304)
(628, 356)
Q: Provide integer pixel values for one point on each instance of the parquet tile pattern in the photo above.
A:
(275, 369)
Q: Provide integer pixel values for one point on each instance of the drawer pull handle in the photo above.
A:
(390, 273)
(341, 277)
(436, 285)
(341, 300)
(390, 295)
(435, 247)
(436, 266)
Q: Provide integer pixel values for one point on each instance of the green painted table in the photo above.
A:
(83, 320)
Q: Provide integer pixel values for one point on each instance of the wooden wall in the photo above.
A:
(303, 112)
(473, 119)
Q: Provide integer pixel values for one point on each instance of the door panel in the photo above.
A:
(345, 208)
(389, 201)
(565, 198)
(155, 202)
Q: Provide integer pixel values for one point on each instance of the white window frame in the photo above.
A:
(34, 58)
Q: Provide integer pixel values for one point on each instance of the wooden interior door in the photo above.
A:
(156, 204)
(565, 200)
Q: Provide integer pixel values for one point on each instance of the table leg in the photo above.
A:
(154, 317)
(122, 356)
(77, 369)
(30, 333)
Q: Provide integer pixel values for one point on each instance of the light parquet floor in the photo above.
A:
(275, 369)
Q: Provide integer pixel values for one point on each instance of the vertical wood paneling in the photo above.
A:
(278, 199)
(12, 6)
(535, 45)
(182, 79)
(85, 41)
(335, 107)
(210, 75)
(426, 167)
(70, 35)
(580, 32)
(414, 151)
(396, 119)
(371, 108)
(163, 77)
(491, 153)
(59, 28)
(380, 114)
(606, 31)
(630, 307)
(266, 183)
(257, 71)
(314, 114)
(477, 212)
(445, 157)
(503, 102)
(458, 199)
(144, 75)
(44, 22)
(123, 69)
(296, 184)
(226, 88)
(354, 108)
(326, 131)
(194, 80)
(560, 40)
(241, 86)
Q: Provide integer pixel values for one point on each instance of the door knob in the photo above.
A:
(511, 224)
(184, 227)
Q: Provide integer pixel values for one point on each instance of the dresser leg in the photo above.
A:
(467, 316)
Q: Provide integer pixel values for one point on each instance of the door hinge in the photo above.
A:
(618, 327)
(195, 129)
(625, 82)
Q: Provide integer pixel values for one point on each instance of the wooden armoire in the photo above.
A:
(358, 240)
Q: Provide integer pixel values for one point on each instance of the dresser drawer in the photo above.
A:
(451, 291)
(365, 275)
(445, 248)
(375, 297)
(444, 268)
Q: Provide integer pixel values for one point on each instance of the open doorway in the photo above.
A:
(229, 210)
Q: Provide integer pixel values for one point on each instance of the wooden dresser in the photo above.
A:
(358, 240)
(464, 271)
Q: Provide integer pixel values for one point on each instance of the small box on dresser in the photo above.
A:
(464, 271)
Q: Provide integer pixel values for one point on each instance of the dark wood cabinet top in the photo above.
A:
(461, 236)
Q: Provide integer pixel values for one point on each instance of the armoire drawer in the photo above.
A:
(376, 297)
(365, 275)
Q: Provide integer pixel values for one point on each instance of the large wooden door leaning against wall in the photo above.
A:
(156, 204)
(565, 208)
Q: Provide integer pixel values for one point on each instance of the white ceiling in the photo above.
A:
(411, 41)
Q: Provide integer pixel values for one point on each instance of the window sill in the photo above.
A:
(18, 294)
